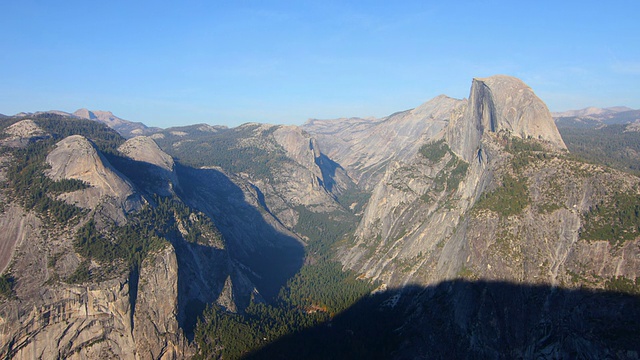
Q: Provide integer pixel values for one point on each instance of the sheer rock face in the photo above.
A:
(16, 226)
(98, 320)
(303, 181)
(501, 103)
(364, 147)
(70, 322)
(155, 321)
(76, 158)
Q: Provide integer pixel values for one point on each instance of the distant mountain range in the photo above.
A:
(593, 117)
(126, 128)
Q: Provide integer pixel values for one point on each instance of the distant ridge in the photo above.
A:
(591, 111)
(593, 117)
(126, 128)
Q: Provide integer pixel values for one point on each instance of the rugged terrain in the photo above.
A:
(122, 266)
(484, 236)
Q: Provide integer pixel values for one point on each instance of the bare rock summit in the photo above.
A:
(126, 128)
(143, 148)
(498, 103)
(75, 157)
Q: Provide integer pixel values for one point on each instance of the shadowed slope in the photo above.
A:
(474, 320)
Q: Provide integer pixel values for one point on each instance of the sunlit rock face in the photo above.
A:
(364, 147)
(501, 103)
(425, 221)
(76, 158)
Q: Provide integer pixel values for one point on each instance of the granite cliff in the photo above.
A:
(106, 259)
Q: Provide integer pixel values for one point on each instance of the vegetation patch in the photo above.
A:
(449, 178)
(81, 274)
(552, 195)
(6, 286)
(434, 151)
(323, 229)
(146, 231)
(312, 297)
(457, 174)
(515, 145)
(615, 220)
(549, 207)
(509, 199)
(354, 199)
(465, 273)
(623, 285)
(610, 146)
(106, 139)
(35, 191)
(230, 150)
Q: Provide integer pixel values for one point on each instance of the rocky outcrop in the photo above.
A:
(17, 226)
(501, 103)
(311, 180)
(70, 322)
(160, 167)
(155, 321)
(412, 213)
(142, 148)
(75, 157)
(114, 319)
(364, 147)
(22, 133)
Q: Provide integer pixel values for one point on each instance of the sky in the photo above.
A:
(170, 63)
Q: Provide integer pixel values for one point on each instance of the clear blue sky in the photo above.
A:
(230, 62)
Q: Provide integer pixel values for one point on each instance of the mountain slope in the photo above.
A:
(365, 147)
(442, 215)
(126, 274)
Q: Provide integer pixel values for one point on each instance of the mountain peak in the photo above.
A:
(104, 116)
(498, 103)
(126, 128)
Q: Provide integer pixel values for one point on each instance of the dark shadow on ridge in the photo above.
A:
(268, 256)
(271, 253)
(473, 320)
(328, 168)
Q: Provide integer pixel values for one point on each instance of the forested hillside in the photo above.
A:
(610, 145)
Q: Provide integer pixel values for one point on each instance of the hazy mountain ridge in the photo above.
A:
(283, 163)
(126, 128)
(593, 117)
